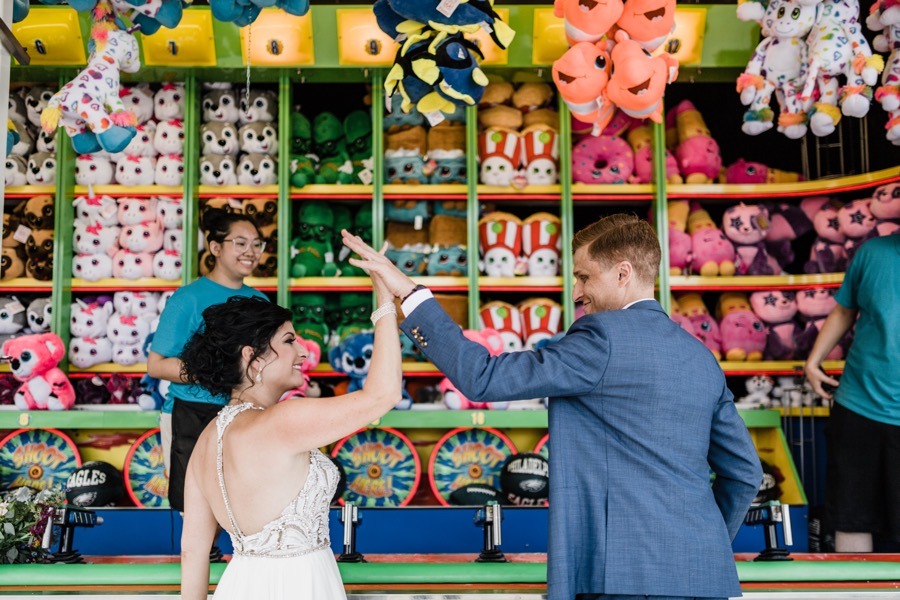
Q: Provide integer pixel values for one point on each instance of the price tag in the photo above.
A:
(22, 233)
(447, 7)
(365, 176)
(434, 117)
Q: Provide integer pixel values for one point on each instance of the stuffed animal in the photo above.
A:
(352, 357)
(541, 320)
(827, 254)
(38, 212)
(638, 80)
(504, 318)
(791, 392)
(679, 317)
(699, 159)
(454, 399)
(331, 148)
(86, 352)
(308, 311)
(747, 225)
(14, 173)
(168, 102)
(142, 237)
(127, 355)
(759, 392)
(13, 317)
(39, 250)
(500, 241)
(814, 305)
(33, 360)
(136, 170)
(410, 259)
(311, 253)
(169, 137)
(358, 136)
(787, 222)
(169, 170)
(743, 171)
(648, 22)
(350, 315)
(142, 144)
(777, 310)
(220, 105)
(96, 239)
(706, 329)
(396, 17)
(446, 148)
(602, 160)
(258, 138)
(540, 155)
(138, 99)
(542, 244)
(500, 153)
(587, 21)
(885, 207)
(640, 139)
(257, 169)
(12, 264)
(885, 18)
(219, 137)
(778, 65)
(129, 330)
(46, 142)
(93, 169)
(95, 209)
(303, 161)
(23, 143)
(92, 267)
(837, 47)
(130, 265)
(89, 319)
(581, 75)
(142, 304)
(41, 169)
(36, 100)
(743, 333)
(680, 254)
(259, 106)
(857, 224)
(89, 106)
(218, 169)
(132, 211)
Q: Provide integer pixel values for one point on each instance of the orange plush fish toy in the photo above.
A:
(581, 76)
(639, 80)
(587, 20)
(648, 22)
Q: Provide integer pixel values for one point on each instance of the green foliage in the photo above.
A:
(24, 515)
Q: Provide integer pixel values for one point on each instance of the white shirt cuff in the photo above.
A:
(414, 300)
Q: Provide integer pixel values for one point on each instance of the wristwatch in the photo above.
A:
(413, 291)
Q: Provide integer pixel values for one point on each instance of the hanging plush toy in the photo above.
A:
(648, 22)
(778, 65)
(399, 17)
(885, 17)
(837, 47)
(581, 76)
(89, 106)
(638, 80)
(586, 20)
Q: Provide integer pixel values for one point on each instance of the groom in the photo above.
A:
(639, 414)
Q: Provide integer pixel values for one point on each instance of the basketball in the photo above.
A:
(95, 484)
(475, 494)
(525, 479)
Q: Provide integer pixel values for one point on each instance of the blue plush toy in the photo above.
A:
(12, 136)
(353, 357)
(397, 119)
(409, 259)
(244, 12)
(399, 17)
(404, 166)
(407, 211)
(450, 261)
(20, 10)
(451, 208)
(449, 167)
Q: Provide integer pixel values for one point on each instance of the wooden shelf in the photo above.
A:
(347, 192)
(455, 190)
(26, 284)
(110, 367)
(410, 369)
(506, 284)
(784, 190)
(752, 283)
(113, 283)
(778, 367)
(240, 191)
(630, 192)
(132, 191)
(27, 191)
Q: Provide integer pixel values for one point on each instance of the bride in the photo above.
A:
(256, 470)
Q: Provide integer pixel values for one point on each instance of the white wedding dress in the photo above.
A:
(290, 558)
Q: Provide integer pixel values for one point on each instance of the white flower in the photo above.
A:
(4, 508)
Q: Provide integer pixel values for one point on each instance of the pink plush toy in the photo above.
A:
(698, 155)
(142, 237)
(857, 224)
(712, 253)
(787, 222)
(136, 210)
(885, 207)
(453, 398)
(814, 305)
(743, 334)
(33, 360)
(602, 159)
(747, 225)
(744, 171)
(706, 329)
(777, 310)
(640, 140)
(827, 254)
(129, 265)
(680, 254)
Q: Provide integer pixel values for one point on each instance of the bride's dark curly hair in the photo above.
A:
(212, 357)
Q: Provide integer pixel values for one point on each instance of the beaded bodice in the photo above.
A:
(302, 527)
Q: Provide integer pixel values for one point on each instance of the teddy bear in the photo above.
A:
(759, 392)
(33, 360)
(258, 138)
(500, 241)
(711, 250)
(743, 333)
(777, 310)
(169, 137)
(93, 169)
(41, 169)
(218, 169)
(259, 106)
(13, 317)
(92, 267)
(706, 328)
(218, 137)
(311, 253)
(135, 170)
(857, 224)
(14, 173)
(542, 244)
(168, 102)
(257, 169)
(142, 144)
(86, 352)
(747, 225)
(220, 105)
(451, 397)
(506, 319)
(827, 254)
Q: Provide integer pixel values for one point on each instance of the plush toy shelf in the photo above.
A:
(240, 191)
(80, 419)
(111, 283)
(775, 367)
(25, 284)
(534, 284)
(754, 283)
(804, 411)
(110, 367)
(455, 190)
(785, 190)
(346, 192)
(639, 192)
(27, 191)
(410, 369)
(534, 192)
(324, 284)
(263, 284)
(130, 191)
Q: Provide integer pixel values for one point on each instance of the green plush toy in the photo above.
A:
(362, 226)
(331, 148)
(311, 254)
(309, 318)
(358, 133)
(352, 315)
(303, 161)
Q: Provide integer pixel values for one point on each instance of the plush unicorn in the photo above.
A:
(885, 17)
(89, 106)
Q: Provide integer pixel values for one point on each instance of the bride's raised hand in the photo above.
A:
(382, 271)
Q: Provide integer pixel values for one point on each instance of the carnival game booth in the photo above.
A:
(479, 203)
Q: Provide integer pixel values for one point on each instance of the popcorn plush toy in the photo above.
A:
(499, 151)
(500, 236)
(540, 155)
(542, 244)
(32, 360)
(506, 319)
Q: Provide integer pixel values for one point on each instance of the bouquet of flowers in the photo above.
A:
(24, 515)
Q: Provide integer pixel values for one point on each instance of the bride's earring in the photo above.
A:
(259, 376)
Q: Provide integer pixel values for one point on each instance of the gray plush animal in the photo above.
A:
(12, 318)
(39, 315)
(17, 111)
(25, 146)
(41, 169)
(219, 137)
(257, 169)
(14, 173)
(36, 100)
(259, 138)
(46, 142)
(217, 169)
(220, 105)
(262, 107)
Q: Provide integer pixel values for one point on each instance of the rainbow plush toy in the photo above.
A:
(885, 17)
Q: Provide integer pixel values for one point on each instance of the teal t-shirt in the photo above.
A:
(870, 384)
(183, 316)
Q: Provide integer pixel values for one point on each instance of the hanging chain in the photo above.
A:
(247, 84)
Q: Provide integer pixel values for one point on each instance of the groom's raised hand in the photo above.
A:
(378, 265)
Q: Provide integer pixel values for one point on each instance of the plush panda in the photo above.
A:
(136, 210)
(99, 209)
(169, 170)
(259, 138)
(91, 169)
(26, 144)
(94, 238)
(17, 112)
(169, 137)
(170, 212)
(88, 352)
(39, 212)
(36, 100)
(39, 315)
(167, 265)
(127, 355)
(139, 100)
(14, 174)
(173, 239)
(128, 265)
(135, 170)
(89, 319)
(141, 144)
(168, 103)
(46, 142)
(257, 169)
(220, 105)
(261, 108)
(41, 169)
(219, 138)
(11, 264)
(92, 267)
(217, 169)
(141, 237)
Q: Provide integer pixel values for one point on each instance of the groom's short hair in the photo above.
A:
(622, 237)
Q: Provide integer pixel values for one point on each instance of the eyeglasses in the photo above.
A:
(243, 244)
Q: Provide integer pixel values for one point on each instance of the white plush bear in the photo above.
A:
(219, 138)
(128, 265)
(262, 107)
(169, 170)
(96, 238)
(127, 329)
(92, 267)
(172, 239)
(142, 304)
(141, 144)
(89, 320)
(216, 169)
(36, 100)
(170, 212)
(257, 169)
(135, 170)
(259, 138)
(91, 169)
(99, 209)
(141, 237)
(127, 354)
(41, 169)
(759, 388)
(136, 210)
(168, 103)
(46, 142)
(220, 105)
(85, 352)
(139, 100)
(14, 174)
(790, 393)
(169, 137)
(167, 265)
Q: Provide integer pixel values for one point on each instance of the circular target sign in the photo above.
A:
(145, 472)
(543, 446)
(465, 456)
(381, 465)
(37, 458)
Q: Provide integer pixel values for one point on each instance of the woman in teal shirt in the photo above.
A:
(236, 243)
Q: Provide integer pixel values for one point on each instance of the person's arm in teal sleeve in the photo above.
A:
(175, 326)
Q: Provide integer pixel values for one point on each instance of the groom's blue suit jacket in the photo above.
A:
(639, 414)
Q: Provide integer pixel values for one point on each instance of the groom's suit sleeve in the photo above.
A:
(570, 367)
